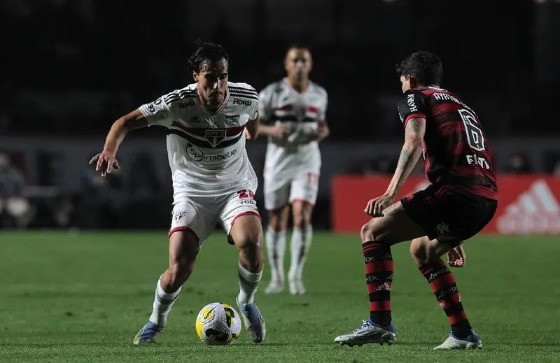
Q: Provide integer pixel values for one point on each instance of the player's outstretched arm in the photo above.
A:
(106, 161)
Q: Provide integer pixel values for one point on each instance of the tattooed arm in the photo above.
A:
(410, 153)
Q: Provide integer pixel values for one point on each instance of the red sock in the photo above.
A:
(443, 285)
(379, 279)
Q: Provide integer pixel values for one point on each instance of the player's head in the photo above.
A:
(298, 62)
(420, 69)
(209, 65)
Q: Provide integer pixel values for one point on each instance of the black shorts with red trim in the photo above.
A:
(449, 215)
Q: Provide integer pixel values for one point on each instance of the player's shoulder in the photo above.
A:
(243, 90)
(181, 94)
(317, 88)
(271, 88)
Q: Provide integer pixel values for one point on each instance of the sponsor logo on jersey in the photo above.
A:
(214, 137)
(239, 101)
(197, 154)
(232, 117)
(535, 211)
(411, 104)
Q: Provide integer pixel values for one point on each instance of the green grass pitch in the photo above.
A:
(83, 296)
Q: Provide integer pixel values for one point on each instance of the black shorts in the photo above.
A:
(449, 215)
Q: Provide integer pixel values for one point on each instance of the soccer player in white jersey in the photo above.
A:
(213, 181)
(292, 113)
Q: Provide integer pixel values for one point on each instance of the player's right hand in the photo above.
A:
(375, 207)
(105, 162)
(280, 131)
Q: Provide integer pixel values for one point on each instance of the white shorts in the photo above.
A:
(303, 187)
(201, 214)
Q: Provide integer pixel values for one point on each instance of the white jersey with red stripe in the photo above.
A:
(206, 151)
(301, 111)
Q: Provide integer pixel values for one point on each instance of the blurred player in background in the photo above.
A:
(292, 112)
(15, 209)
(459, 202)
(213, 180)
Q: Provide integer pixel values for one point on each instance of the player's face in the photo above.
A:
(298, 63)
(405, 83)
(212, 79)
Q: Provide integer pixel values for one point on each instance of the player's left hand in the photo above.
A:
(320, 133)
(457, 257)
(376, 206)
(105, 162)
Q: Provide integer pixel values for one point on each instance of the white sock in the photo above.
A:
(276, 249)
(248, 284)
(163, 302)
(299, 248)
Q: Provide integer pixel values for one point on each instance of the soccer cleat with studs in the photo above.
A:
(296, 287)
(274, 287)
(147, 334)
(253, 321)
(368, 332)
(472, 341)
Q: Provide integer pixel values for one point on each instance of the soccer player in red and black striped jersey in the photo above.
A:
(459, 202)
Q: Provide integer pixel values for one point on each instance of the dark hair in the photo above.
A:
(424, 66)
(206, 51)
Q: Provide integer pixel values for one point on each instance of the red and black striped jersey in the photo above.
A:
(456, 149)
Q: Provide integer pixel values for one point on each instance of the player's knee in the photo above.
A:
(274, 221)
(364, 232)
(369, 232)
(276, 225)
(422, 252)
(300, 222)
(417, 251)
(248, 242)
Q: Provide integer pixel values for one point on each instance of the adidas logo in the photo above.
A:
(536, 211)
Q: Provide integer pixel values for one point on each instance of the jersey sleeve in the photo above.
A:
(412, 105)
(159, 112)
(254, 109)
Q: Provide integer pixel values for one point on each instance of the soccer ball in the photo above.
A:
(218, 324)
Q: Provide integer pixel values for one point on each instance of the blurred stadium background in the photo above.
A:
(72, 67)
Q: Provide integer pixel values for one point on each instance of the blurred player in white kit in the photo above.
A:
(292, 113)
(213, 180)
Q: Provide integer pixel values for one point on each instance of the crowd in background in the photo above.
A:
(76, 65)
